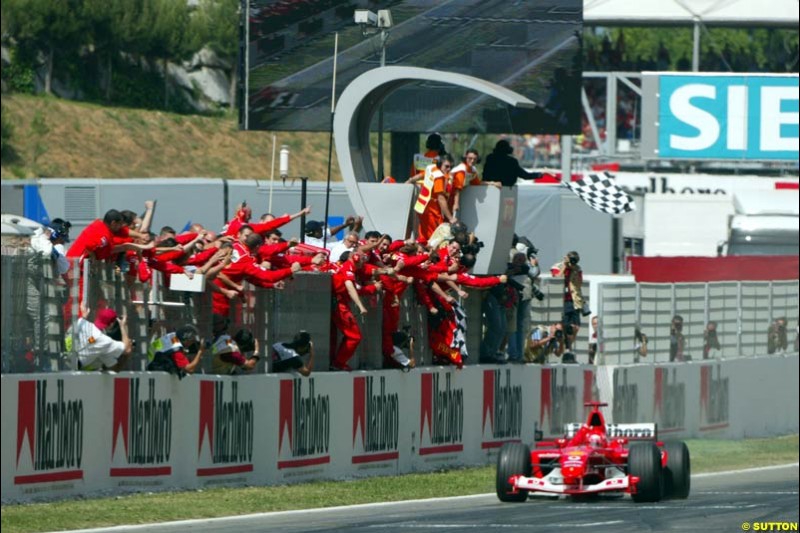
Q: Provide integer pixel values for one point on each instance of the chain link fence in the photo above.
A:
(38, 306)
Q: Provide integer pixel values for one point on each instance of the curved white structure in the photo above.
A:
(387, 208)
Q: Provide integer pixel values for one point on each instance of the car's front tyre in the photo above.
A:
(514, 459)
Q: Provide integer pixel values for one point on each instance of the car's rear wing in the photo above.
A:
(638, 431)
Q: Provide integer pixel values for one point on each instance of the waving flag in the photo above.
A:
(601, 193)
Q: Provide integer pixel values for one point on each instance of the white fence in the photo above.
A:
(743, 312)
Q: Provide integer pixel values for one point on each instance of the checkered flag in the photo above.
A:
(460, 333)
(600, 192)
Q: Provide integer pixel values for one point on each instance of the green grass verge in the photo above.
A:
(707, 456)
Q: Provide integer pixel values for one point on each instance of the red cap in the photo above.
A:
(105, 317)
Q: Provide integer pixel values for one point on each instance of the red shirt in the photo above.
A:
(96, 239)
(347, 271)
(258, 227)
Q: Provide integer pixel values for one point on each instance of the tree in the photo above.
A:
(165, 25)
(109, 32)
(54, 28)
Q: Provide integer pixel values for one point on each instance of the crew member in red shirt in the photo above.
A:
(346, 289)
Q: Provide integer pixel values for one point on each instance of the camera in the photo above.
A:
(559, 334)
(538, 294)
(472, 248)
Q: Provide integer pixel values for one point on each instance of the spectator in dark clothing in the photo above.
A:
(677, 342)
(503, 167)
(777, 340)
(710, 339)
(287, 356)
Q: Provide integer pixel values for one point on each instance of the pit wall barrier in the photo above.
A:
(71, 434)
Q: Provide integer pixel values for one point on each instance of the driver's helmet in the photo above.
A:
(595, 441)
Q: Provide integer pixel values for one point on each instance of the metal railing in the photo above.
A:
(742, 310)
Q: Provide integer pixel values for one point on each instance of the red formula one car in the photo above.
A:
(593, 458)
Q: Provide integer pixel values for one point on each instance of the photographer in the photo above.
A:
(288, 356)
(777, 340)
(677, 342)
(523, 270)
(710, 340)
(639, 344)
(574, 304)
(402, 341)
(544, 342)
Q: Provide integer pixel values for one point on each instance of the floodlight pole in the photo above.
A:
(380, 176)
(330, 142)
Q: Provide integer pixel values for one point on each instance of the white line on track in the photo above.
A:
(492, 526)
(183, 524)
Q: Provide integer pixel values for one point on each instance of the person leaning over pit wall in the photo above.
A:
(171, 352)
(288, 356)
(95, 348)
(230, 352)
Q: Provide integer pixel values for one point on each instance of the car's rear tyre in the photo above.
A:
(514, 459)
(678, 473)
(644, 462)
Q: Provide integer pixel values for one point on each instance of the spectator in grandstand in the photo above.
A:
(677, 342)
(543, 342)
(230, 353)
(93, 343)
(432, 202)
(288, 356)
(500, 166)
(777, 340)
(710, 339)
(574, 304)
(171, 352)
(639, 344)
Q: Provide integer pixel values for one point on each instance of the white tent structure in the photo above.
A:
(698, 13)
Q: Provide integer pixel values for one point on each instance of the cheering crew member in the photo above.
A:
(432, 202)
(244, 213)
(434, 149)
(448, 331)
(464, 174)
(243, 267)
(96, 242)
(346, 289)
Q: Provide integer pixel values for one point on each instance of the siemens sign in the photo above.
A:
(707, 116)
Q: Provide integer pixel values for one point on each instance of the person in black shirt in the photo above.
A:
(503, 167)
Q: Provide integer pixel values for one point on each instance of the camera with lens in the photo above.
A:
(537, 293)
(472, 248)
(559, 334)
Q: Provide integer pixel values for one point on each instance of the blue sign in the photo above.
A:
(728, 117)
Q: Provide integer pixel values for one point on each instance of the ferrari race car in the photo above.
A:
(593, 458)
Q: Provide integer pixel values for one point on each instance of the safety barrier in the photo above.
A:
(71, 434)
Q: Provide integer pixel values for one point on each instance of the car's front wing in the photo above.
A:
(553, 483)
